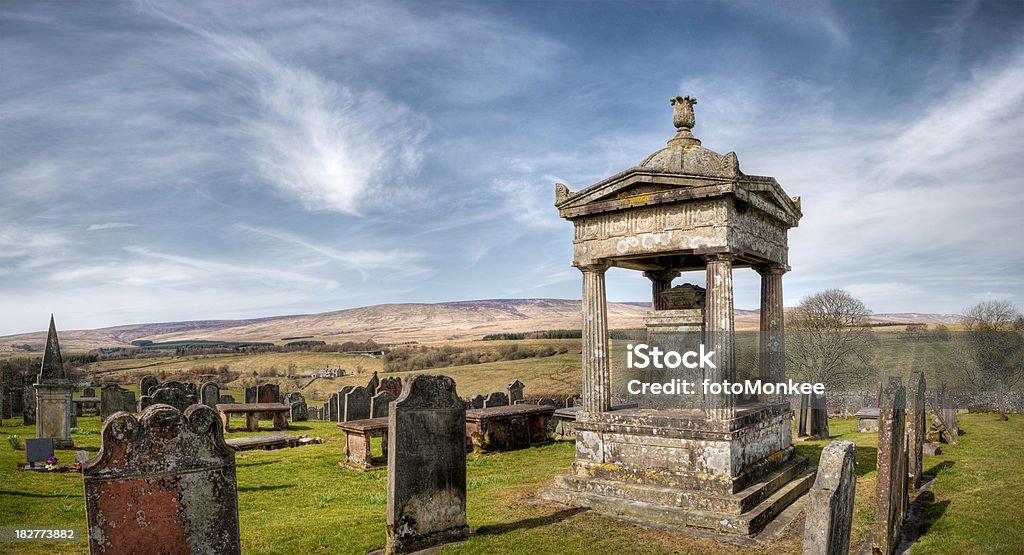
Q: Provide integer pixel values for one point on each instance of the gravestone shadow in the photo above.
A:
(525, 524)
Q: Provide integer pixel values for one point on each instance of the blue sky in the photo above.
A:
(169, 161)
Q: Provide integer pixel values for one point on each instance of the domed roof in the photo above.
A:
(684, 154)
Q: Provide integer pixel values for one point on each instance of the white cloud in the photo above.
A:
(109, 225)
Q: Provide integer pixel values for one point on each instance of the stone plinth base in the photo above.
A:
(54, 417)
(676, 468)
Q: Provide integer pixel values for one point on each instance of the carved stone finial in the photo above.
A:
(683, 119)
(561, 192)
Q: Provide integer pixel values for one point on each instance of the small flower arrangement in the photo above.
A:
(51, 463)
(15, 442)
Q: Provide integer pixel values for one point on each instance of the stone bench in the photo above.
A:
(867, 419)
(358, 434)
(508, 427)
(279, 412)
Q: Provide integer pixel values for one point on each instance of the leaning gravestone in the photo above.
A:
(496, 399)
(830, 501)
(332, 407)
(357, 404)
(916, 427)
(379, 404)
(891, 495)
(477, 402)
(372, 385)
(515, 392)
(163, 483)
(426, 466)
(209, 394)
(147, 384)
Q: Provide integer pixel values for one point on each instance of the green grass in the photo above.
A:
(299, 501)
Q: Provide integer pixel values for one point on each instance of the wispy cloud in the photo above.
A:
(109, 225)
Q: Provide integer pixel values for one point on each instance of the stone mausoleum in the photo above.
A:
(719, 462)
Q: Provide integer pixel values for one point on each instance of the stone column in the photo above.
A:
(661, 281)
(596, 374)
(772, 346)
(720, 333)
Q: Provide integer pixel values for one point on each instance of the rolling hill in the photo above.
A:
(390, 323)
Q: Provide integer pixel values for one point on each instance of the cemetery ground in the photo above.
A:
(298, 501)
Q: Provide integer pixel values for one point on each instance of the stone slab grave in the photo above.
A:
(37, 450)
(426, 466)
(891, 493)
(508, 427)
(812, 417)
(829, 516)
(867, 420)
(163, 483)
(266, 442)
(358, 435)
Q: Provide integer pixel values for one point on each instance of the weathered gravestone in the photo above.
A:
(891, 495)
(392, 385)
(812, 417)
(379, 404)
(112, 400)
(268, 393)
(515, 392)
(226, 399)
(163, 483)
(332, 407)
(147, 384)
(53, 393)
(948, 414)
(209, 394)
(830, 501)
(916, 427)
(496, 399)
(426, 466)
(372, 385)
(28, 404)
(250, 394)
(341, 402)
(176, 394)
(357, 404)
(300, 411)
(548, 402)
(88, 392)
(477, 402)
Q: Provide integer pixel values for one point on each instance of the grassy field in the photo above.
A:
(299, 501)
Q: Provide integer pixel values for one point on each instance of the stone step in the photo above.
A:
(647, 512)
(737, 503)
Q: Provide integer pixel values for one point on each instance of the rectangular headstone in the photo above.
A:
(37, 450)
(891, 495)
(209, 394)
(830, 501)
(341, 402)
(426, 466)
(163, 483)
(496, 399)
(28, 404)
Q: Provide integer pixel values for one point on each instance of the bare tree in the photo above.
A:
(829, 340)
(995, 334)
